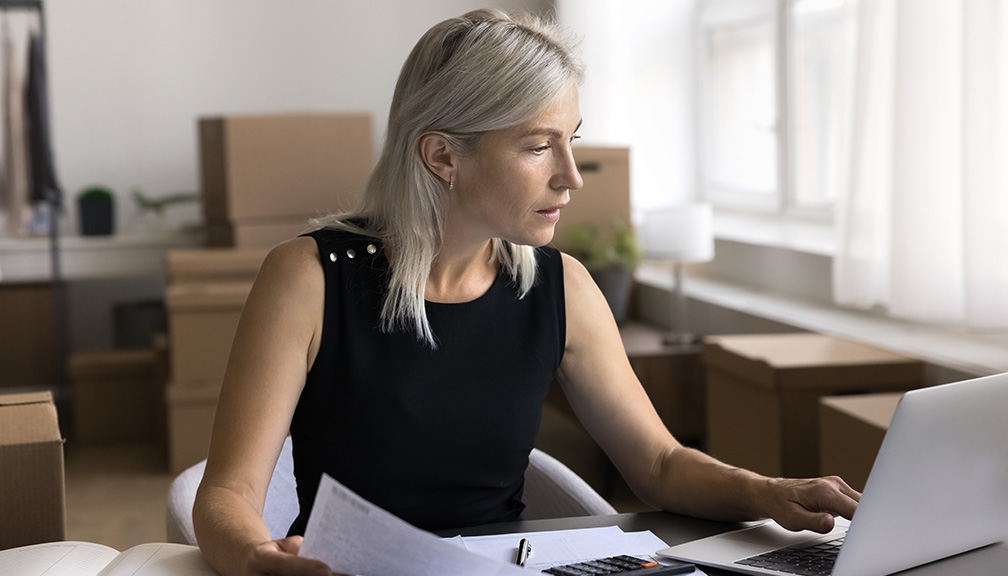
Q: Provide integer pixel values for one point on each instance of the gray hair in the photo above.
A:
(466, 76)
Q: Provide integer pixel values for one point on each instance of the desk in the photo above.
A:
(674, 529)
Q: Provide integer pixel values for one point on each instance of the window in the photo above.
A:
(775, 80)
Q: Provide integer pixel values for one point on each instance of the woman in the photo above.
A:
(408, 347)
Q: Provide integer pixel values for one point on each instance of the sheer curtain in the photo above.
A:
(923, 222)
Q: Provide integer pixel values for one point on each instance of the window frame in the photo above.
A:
(782, 202)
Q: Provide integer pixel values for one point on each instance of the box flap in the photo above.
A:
(111, 365)
(804, 350)
(19, 398)
(224, 295)
(812, 361)
(214, 264)
(28, 418)
(875, 409)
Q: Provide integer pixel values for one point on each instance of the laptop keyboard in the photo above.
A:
(806, 560)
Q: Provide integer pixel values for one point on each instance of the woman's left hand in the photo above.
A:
(810, 504)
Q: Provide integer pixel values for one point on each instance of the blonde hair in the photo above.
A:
(482, 71)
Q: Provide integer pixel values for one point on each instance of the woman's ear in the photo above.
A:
(438, 155)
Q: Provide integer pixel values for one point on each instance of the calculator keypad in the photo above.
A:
(614, 565)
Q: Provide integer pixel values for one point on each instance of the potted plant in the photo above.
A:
(610, 256)
(95, 208)
(152, 209)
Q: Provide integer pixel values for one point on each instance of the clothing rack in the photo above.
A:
(61, 389)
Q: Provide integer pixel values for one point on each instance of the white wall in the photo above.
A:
(128, 78)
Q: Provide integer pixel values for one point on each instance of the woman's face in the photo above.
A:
(518, 180)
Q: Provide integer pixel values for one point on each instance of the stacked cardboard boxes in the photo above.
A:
(32, 497)
(265, 176)
(206, 292)
(763, 393)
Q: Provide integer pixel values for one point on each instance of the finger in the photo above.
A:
(850, 492)
(821, 522)
(842, 499)
(287, 565)
(280, 558)
(290, 544)
(801, 519)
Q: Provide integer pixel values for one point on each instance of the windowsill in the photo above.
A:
(970, 352)
(811, 236)
(92, 257)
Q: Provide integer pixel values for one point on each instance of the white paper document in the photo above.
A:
(353, 536)
(561, 547)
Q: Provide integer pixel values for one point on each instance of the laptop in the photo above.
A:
(939, 487)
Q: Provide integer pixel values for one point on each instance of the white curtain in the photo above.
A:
(923, 222)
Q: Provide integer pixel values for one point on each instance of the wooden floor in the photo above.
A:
(116, 494)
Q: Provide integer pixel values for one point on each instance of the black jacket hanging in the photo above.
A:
(45, 187)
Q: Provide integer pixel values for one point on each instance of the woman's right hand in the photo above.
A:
(279, 558)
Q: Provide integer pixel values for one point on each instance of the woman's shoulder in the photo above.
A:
(293, 258)
(576, 276)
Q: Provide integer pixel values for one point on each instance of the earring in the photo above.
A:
(451, 182)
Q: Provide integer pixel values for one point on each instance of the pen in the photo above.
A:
(524, 549)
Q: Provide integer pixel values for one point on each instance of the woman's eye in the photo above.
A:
(541, 149)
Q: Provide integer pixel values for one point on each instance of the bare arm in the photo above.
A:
(607, 397)
(275, 345)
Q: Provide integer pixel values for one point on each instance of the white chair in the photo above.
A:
(552, 490)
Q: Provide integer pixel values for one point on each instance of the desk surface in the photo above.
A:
(675, 529)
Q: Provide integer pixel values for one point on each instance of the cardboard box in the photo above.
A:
(212, 265)
(202, 321)
(115, 396)
(605, 195)
(851, 429)
(257, 233)
(190, 423)
(763, 394)
(32, 495)
(281, 166)
(27, 338)
(672, 376)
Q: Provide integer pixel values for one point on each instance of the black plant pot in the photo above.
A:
(615, 283)
(95, 215)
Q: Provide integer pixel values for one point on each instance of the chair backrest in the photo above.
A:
(279, 510)
(552, 490)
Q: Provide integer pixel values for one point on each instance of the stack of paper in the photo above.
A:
(353, 536)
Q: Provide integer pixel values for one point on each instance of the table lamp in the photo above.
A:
(681, 234)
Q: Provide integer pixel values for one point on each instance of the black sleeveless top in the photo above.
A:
(439, 437)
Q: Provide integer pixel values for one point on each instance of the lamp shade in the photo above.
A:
(681, 233)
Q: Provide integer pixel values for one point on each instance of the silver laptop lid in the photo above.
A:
(939, 485)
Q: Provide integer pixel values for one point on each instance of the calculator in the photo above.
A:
(617, 565)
